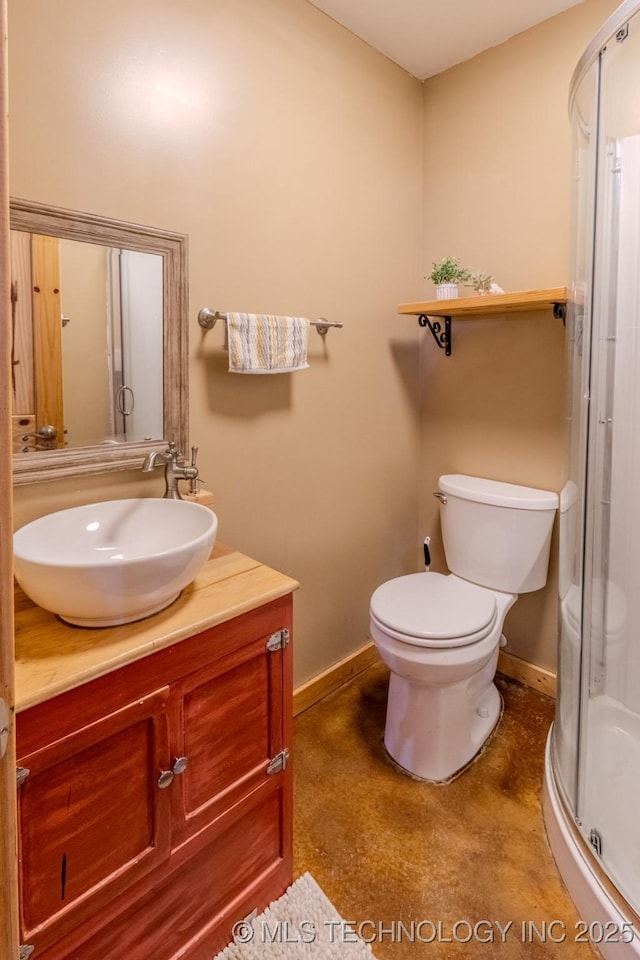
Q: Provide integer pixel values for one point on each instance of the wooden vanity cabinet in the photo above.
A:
(157, 807)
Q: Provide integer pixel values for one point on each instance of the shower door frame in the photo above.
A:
(596, 372)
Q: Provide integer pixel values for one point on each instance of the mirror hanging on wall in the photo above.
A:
(99, 311)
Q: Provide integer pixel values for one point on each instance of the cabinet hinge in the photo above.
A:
(21, 775)
(25, 950)
(279, 762)
(4, 727)
(278, 640)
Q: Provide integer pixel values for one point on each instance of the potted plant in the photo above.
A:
(446, 275)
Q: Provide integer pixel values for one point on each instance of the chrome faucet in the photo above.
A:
(174, 469)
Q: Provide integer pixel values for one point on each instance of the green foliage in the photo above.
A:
(449, 271)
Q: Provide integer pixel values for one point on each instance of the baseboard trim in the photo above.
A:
(340, 673)
(528, 673)
(333, 678)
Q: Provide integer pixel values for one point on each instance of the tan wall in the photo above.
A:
(497, 180)
(289, 152)
(291, 155)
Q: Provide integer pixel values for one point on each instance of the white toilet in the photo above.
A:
(440, 635)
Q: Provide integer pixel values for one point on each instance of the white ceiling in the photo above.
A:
(428, 36)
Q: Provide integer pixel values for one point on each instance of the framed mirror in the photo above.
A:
(99, 312)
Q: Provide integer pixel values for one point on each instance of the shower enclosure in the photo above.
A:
(592, 783)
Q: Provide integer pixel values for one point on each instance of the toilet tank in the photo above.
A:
(496, 534)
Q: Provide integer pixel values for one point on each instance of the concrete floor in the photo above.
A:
(464, 861)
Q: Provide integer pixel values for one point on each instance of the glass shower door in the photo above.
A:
(608, 764)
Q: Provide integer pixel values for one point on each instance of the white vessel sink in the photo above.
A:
(113, 562)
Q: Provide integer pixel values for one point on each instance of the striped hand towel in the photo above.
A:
(261, 343)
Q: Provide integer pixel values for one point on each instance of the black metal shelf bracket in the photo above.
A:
(441, 337)
(560, 311)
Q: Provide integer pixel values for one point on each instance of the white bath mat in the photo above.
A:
(302, 924)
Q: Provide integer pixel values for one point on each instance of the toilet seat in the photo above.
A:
(434, 610)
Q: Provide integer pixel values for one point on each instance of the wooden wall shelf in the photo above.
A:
(493, 304)
(489, 303)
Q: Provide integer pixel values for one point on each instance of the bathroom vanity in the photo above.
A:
(155, 791)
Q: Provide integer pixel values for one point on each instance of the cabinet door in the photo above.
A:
(232, 729)
(92, 817)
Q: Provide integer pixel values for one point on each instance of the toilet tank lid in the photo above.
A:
(497, 493)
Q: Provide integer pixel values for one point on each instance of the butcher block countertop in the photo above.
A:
(53, 657)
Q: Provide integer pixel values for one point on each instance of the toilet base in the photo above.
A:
(432, 732)
(456, 773)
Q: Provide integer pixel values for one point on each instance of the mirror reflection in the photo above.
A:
(100, 342)
(87, 343)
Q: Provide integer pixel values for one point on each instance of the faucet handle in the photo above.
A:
(172, 451)
(194, 482)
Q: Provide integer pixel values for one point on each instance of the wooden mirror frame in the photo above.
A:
(39, 466)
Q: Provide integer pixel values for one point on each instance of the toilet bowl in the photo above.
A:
(440, 634)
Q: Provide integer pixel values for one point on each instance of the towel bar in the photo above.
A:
(207, 319)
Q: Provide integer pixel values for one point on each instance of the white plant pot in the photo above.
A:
(446, 291)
